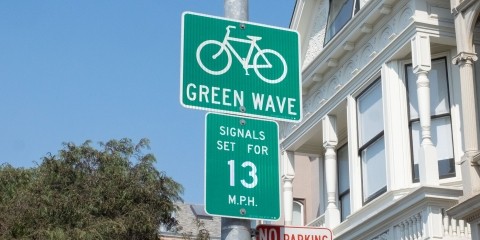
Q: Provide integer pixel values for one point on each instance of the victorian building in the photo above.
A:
(194, 223)
(388, 147)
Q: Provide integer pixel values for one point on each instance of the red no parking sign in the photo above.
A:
(277, 232)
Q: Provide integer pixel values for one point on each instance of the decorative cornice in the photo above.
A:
(350, 30)
(383, 236)
(473, 217)
(348, 46)
(318, 77)
(385, 9)
(468, 209)
(332, 62)
(476, 159)
(320, 90)
(464, 58)
(366, 28)
(361, 57)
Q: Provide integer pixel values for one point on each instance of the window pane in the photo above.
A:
(297, 217)
(345, 206)
(373, 168)
(438, 88)
(443, 128)
(439, 102)
(416, 173)
(416, 141)
(412, 92)
(343, 176)
(340, 13)
(446, 168)
(444, 145)
(370, 113)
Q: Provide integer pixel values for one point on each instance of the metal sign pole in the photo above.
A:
(232, 228)
(236, 9)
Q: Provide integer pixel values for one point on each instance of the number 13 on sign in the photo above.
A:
(252, 173)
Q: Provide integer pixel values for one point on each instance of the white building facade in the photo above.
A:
(388, 144)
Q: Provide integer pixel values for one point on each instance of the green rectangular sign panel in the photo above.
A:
(240, 67)
(242, 167)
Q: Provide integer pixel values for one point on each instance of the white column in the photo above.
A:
(330, 141)
(288, 174)
(432, 219)
(356, 197)
(397, 138)
(421, 61)
(469, 111)
(469, 165)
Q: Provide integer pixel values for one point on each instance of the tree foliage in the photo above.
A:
(113, 192)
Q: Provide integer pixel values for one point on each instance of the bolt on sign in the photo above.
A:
(240, 68)
(277, 232)
(242, 167)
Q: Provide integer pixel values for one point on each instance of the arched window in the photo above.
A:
(298, 213)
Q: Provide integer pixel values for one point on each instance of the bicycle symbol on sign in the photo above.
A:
(226, 48)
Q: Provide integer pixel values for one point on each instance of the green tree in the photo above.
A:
(113, 192)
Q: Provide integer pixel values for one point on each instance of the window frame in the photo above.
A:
(301, 203)
(354, 11)
(346, 192)
(362, 147)
(411, 121)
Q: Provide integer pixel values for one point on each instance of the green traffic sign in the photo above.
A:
(242, 167)
(240, 67)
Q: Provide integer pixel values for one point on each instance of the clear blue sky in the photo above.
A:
(76, 70)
